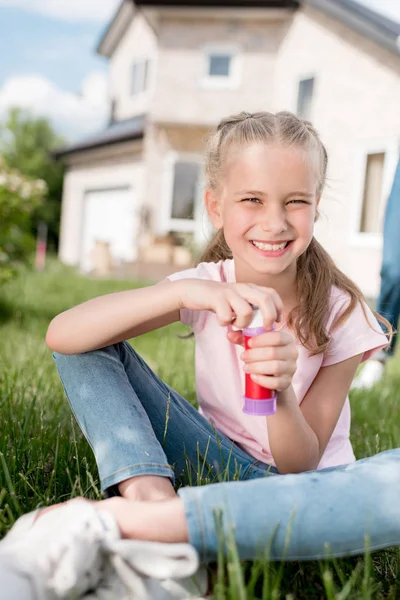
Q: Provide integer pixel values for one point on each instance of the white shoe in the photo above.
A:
(61, 553)
(140, 570)
(76, 551)
(369, 376)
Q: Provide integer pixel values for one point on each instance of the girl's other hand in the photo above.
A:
(231, 302)
(271, 359)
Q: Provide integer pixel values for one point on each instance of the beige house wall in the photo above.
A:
(163, 144)
(139, 42)
(95, 171)
(356, 109)
(182, 95)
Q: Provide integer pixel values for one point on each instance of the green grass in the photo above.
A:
(44, 459)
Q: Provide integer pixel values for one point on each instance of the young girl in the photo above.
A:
(265, 175)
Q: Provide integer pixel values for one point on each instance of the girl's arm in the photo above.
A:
(114, 317)
(298, 435)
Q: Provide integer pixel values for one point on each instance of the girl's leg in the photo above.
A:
(311, 515)
(302, 516)
(139, 426)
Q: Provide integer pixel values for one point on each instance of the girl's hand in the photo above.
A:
(231, 302)
(271, 360)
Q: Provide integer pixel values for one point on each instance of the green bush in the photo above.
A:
(19, 197)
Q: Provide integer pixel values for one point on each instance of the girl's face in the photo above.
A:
(267, 207)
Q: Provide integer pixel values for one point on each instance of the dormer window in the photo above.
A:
(221, 67)
(140, 76)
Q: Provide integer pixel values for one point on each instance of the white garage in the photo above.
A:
(102, 200)
(109, 222)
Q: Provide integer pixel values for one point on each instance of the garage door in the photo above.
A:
(110, 217)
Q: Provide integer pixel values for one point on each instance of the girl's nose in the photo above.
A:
(274, 221)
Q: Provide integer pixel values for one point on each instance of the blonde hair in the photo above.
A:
(316, 271)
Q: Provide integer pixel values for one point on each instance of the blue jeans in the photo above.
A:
(388, 303)
(137, 425)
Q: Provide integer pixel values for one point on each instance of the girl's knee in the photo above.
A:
(71, 360)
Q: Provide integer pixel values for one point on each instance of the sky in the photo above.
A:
(49, 64)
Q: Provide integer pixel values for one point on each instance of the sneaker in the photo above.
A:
(139, 570)
(369, 376)
(75, 551)
(62, 552)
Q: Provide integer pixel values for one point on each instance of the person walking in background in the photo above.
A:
(388, 303)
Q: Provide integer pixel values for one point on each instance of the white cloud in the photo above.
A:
(69, 10)
(72, 115)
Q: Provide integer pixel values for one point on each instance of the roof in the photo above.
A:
(119, 131)
(373, 25)
(116, 29)
(221, 3)
(369, 23)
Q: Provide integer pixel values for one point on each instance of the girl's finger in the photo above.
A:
(272, 368)
(272, 302)
(273, 294)
(271, 338)
(267, 353)
(269, 304)
(241, 308)
(273, 383)
(269, 310)
(224, 312)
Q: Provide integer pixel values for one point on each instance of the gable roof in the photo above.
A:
(369, 23)
(119, 131)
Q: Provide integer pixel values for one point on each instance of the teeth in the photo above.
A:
(273, 247)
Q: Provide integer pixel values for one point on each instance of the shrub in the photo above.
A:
(19, 197)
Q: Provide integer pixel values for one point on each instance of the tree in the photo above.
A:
(26, 144)
(19, 198)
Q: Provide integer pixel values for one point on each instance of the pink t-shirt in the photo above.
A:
(220, 376)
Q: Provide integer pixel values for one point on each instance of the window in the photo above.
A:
(372, 193)
(180, 210)
(219, 65)
(375, 163)
(221, 68)
(185, 189)
(140, 75)
(305, 97)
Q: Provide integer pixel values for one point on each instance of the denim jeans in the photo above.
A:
(137, 425)
(388, 303)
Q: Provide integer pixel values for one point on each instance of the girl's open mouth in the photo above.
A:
(273, 250)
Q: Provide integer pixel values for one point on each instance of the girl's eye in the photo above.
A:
(298, 201)
(252, 200)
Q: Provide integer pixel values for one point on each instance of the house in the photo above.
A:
(134, 191)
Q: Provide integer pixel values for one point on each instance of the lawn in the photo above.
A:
(44, 458)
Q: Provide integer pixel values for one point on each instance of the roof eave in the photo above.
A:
(85, 146)
(388, 39)
(207, 4)
(116, 29)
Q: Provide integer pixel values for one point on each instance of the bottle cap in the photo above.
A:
(257, 320)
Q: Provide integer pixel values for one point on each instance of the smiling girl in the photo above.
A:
(265, 174)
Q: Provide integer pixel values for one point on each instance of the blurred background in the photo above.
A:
(108, 103)
(104, 110)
